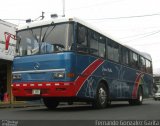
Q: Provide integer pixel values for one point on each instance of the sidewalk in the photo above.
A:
(19, 104)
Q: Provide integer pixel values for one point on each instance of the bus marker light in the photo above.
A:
(56, 84)
(17, 85)
(70, 19)
(24, 84)
(31, 84)
(48, 84)
(39, 84)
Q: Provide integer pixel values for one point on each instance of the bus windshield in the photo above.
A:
(45, 39)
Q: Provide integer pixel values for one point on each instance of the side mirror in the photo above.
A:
(18, 43)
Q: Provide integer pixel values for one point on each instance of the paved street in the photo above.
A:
(150, 110)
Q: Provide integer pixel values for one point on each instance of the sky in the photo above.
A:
(133, 22)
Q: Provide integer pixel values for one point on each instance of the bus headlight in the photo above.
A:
(59, 75)
(16, 76)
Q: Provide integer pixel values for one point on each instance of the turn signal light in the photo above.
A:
(70, 75)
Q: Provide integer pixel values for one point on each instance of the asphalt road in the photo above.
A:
(150, 110)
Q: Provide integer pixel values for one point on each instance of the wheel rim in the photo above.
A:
(102, 95)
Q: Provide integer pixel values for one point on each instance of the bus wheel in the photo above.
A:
(139, 99)
(101, 97)
(50, 103)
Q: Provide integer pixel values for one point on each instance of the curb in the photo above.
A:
(19, 105)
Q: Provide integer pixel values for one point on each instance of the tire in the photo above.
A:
(101, 98)
(50, 103)
(139, 99)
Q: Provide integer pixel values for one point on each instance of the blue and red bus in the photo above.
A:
(68, 60)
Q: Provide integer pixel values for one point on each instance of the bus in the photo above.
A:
(69, 60)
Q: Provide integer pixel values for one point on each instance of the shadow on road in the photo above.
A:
(77, 108)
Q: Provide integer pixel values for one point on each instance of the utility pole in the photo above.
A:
(63, 2)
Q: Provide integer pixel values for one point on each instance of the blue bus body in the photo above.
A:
(121, 80)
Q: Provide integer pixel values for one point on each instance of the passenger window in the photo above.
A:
(134, 60)
(142, 64)
(125, 56)
(148, 66)
(102, 46)
(82, 44)
(113, 50)
(93, 40)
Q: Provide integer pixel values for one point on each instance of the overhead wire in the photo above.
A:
(125, 17)
(132, 28)
(143, 36)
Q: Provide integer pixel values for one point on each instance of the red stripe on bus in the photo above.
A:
(86, 74)
(136, 85)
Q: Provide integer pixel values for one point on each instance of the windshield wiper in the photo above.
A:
(31, 32)
(45, 34)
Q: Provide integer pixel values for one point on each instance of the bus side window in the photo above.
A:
(134, 60)
(142, 64)
(102, 46)
(93, 42)
(125, 56)
(148, 67)
(113, 50)
(82, 44)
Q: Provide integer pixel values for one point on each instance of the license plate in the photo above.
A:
(36, 91)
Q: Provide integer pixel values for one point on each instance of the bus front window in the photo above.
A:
(45, 39)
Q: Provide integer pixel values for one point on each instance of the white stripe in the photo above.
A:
(39, 71)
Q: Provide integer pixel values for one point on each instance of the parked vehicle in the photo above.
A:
(157, 85)
(157, 94)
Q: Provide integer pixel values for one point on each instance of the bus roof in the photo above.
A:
(75, 19)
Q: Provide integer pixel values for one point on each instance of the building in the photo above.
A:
(7, 52)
